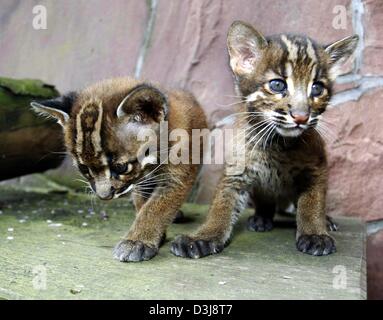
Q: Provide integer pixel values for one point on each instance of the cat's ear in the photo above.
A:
(57, 108)
(144, 104)
(245, 46)
(341, 50)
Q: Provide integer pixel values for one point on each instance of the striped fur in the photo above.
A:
(101, 130)
(285, 154)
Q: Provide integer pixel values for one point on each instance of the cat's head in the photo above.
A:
(286, 79)
(102, 127)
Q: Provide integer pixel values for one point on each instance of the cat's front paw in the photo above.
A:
(133, 251)
(259, 223)
(316, 245)
(186, 247)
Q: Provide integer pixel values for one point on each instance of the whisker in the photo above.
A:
(246, 120)
(82, 180)
(248, 113)
(267, 137)
(259, 132)
(320, 134)
(154, 170)
(228, 105)
(146, 182)
(326, 121)
(153, 184)
(143, 192)
(323, 134)
(142, 195)
(327, 132)
(160, 174)
(149, 188)
(270, 126)
(325, 126)
(258, 125)
(274, 133)
(153, 178)
(260, 139)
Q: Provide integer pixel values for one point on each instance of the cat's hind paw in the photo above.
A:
(259, 224)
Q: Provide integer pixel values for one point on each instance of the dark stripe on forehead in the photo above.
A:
(322, 71)
(303, 60)
(307, 57)
(306, 62)
(317, 60)
(279, 53)
(73, 138)
(285, 57)
(89, 117)
(315, 47)
(88, 139)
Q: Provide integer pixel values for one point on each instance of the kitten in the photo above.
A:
(101, 127)
(285, 82)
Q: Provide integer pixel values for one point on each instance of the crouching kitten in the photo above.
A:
(102, 125)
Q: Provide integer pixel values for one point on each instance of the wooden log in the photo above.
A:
(28, 143)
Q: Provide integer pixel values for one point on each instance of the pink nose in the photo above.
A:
(300, 118)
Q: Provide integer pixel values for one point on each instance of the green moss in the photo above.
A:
(29, 87)
(15, 98)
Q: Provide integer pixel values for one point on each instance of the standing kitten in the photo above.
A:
(285, 83)
(101, 127)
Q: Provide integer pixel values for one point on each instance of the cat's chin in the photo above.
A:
(291, 132)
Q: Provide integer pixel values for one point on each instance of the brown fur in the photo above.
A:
(104, 142)
(285, 154)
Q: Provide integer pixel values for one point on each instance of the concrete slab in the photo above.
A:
(55, 246)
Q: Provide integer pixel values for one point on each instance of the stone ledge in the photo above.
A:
(74, 248)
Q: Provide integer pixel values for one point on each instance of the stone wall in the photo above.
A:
(182, 44)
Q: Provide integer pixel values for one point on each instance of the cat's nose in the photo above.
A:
(106, 194)
(300, 117)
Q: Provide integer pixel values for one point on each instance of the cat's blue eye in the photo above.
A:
(317, 89)
(278, 85)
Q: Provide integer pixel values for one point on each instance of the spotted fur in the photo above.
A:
(285, 84)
